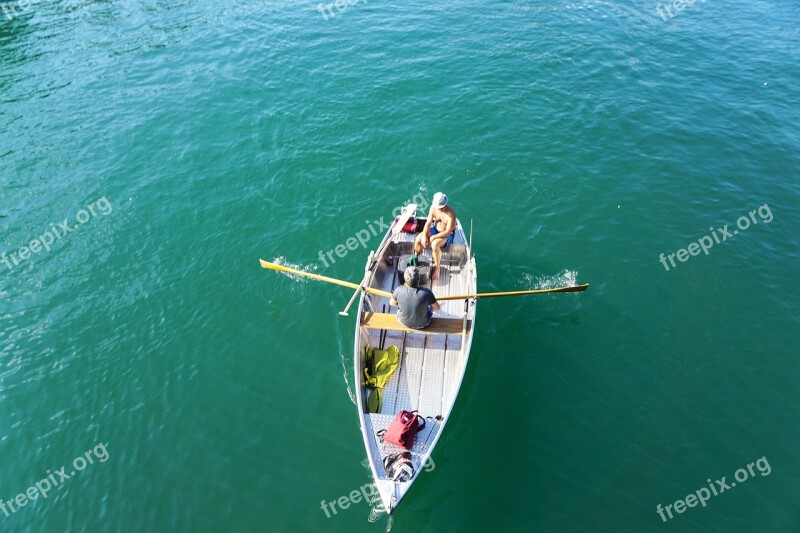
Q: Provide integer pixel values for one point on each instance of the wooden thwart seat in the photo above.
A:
(449, 326)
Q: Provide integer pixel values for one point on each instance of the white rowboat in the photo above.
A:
(432, 361)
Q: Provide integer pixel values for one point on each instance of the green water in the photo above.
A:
(583, 140)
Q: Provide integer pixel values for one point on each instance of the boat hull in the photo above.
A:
(432, 361)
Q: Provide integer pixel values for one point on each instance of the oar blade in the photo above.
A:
(348, 284)
(272, 266)
(576, 288)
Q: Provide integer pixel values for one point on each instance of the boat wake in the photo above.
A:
(377, 510)
(565, 278)
(346, 375)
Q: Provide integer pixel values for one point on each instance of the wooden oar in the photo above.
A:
(407, 213)
(578, 288)
(377, 292)
(281, 268)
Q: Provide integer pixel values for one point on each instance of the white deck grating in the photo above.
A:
(422, 440)
(410, 375)
(452, 367)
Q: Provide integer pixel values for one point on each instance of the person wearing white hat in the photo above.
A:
(438, 232)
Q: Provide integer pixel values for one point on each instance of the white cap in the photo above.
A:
(439, 199)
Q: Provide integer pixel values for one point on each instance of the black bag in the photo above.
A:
(399, 467)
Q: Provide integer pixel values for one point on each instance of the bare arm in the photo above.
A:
(435, 306)
(426, 229)
(392, 301)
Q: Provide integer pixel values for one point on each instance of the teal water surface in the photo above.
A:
(180, 142)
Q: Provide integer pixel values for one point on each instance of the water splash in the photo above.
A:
(377, 511)
(565, 278)
(284, 262)
(374, 500)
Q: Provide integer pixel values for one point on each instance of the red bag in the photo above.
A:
(410, 226)
(403, 429)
